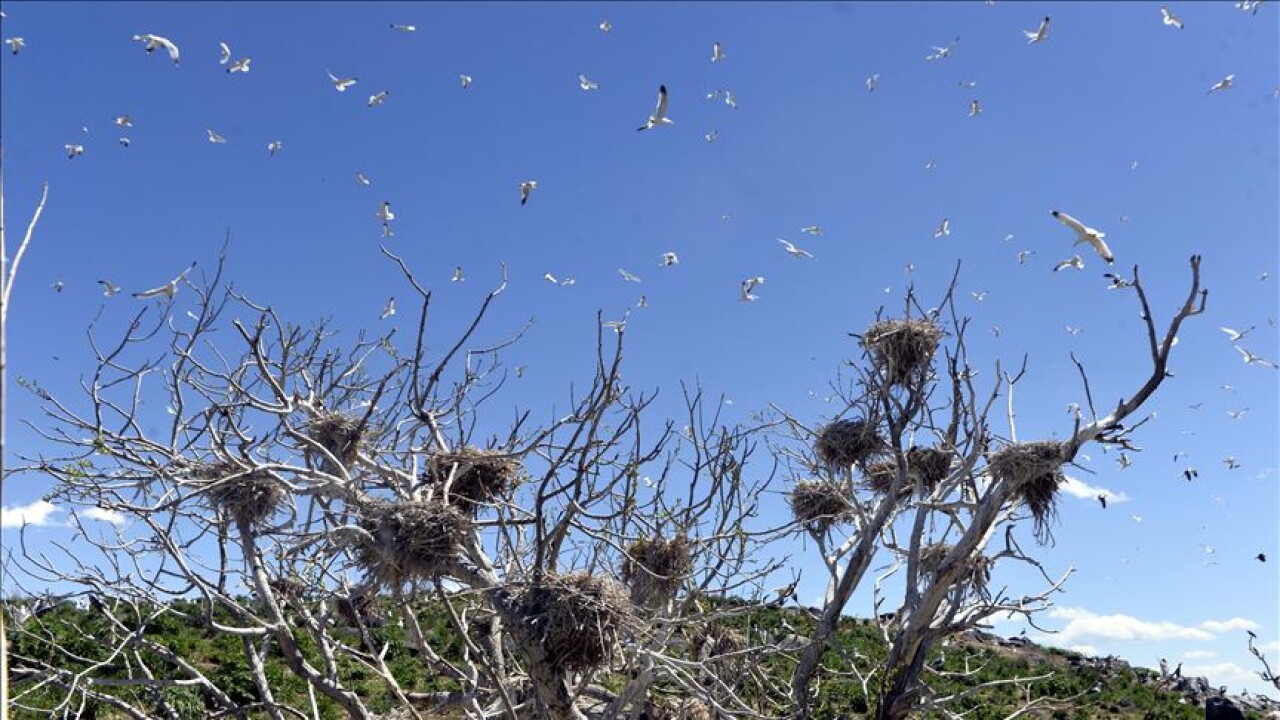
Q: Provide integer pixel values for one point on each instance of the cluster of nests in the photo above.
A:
(478, 476)
(342, 435)
(1034, 471)
(577, 618)
(902, 349)
(654, 568)
(409, 540)
(246, 495)
(926, 467)
(976, 573)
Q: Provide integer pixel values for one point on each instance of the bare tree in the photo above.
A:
(303, 498)
(913, 474)
(1266, 673)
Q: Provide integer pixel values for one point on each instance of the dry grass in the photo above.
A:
(902, 349)
(578, 618)
(410, 539)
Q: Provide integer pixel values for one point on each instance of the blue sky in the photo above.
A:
(1063, 123)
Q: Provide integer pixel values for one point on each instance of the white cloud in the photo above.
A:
(37, 513)
(1198, 655)
(1083, 625)
(1223, 673)
(1089, 650)
(1271, 647)
(1081, 489)
(105, 515)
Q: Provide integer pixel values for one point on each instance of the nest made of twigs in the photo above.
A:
(925, 467)
(340, 434)
(716, 640)
(821, 502)
(577, 617)
(410, 540)
(654, 567)
(902, 348)
(479, 476)
(1034, 469)
(845, 442)
(248, 496)
(977, 571)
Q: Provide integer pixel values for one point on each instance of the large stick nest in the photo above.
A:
(901, 349)
(340, 434)
(845, 442)
(478, 475)
(926, 467)
(821, 503)
(655, 567)
(976, 572)
(248, 496)
(577, 618)
(1034, 470)
(410, 540)
(716, 640)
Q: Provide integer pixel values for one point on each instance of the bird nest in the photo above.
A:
(716, 641)
(821, 503)
(677, 709)
(478, 475)
(1034, 470)
(925, 467)
(902, 348)
(340, 434)
(845, 442)
(409, 540)
(577, 618)
(246, 496)
(654, 567)
(976, 573)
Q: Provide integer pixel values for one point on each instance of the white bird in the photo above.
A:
(1251, 359)
(225, 51)
(15, 44)
(124, 142)
(273, 147)
(550, 278)
(628, 276)
(340, 84)
(384, 213)
(711, 136)
(669, 258)
(747, 286)
(1237, 414)
(169, 289)
(793, 250)
(1086, 234)
(1231, 462)
(586, 83)
(1168, 18)
(124, 121)
(1117, 282)
(1124, 461)
(1075, 261)
(979, 295)
(871, 82)
(1024, 255)
(389, 309)
(57, 286)
(526, 189)
(376, 100)
(214, 137)
(930, 164)
(1039, 34)
(465, 80)
(975, 108)
(404, 28)
(1225, 83)
(457, 275)
(659, 116)
(605, 26)
(717, 52)
(362, 180)
(944, 228)
(74, 150)
(155, 41)
(940, 53)
(1236, 335)
(616, 325)
(729, 99)
(812, 230)
(643, 302)
(108, 288)
(1072, 330)
(241, 65)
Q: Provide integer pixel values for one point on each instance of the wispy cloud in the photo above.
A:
(1083, 626)
(37, 513)
(1081, 489)
(1222, 673)
(103, 514)
(1198, 655)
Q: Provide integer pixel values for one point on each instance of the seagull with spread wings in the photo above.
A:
(1168, 18)
(1039, 34)
(169, 289)
(526, 190)
(341, 84)
(1251, 359)
(747, 286)
(586, 83)
(794, 251)
(1236, 335)
(1086, 234)
(151, 42)
(659, 116)
(1225, 83)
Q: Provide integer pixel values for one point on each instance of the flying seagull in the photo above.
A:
(711, 136)
(1039, 34)
(669, 258)
(1024, 255)
(389, 309)
(1167, 16)
(108, 288)
(793, 250)
(214, 137)
(241, 65)
(124, 121)
(717, 52)
(812, 230)
(659, 116)
(940, 53)
(1251, 359)
(340, 84)
(1236, 335)
(457, 275)
(1117, 282)
(465, 80)
(975, 108)
(1075, 261)
(605, 26)
(124, 142)
(944, 228)
(73, 151)
(404, 28)
(274, 147)
(586, 84)
(376, 100)
(526, 189)
(384, 213)
(155, 41)
(628, 276)
(871, 82)
(362, 180)
(225, 52)
(169, 289)
(747, 286)
(15, 44)
(57, 286)
(1086, 234)
(1225, 83)
(1102, 498)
